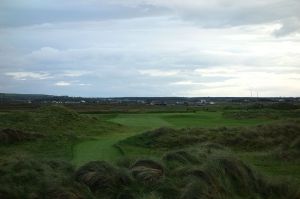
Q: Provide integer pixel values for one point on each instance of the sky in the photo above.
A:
(123, 48)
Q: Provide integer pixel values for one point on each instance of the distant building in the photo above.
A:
(158, 103)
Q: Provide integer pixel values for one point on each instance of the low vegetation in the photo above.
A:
(283, 135)
(219, 154)
(33, 179)
(262, 114)
(54, 118)
(10, 136)
(183, 174)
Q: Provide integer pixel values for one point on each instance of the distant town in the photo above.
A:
(8, 98)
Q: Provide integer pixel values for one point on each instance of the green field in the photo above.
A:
(46, 147)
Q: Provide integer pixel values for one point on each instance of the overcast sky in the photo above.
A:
(150, 47)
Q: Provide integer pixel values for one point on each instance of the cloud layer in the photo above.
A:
(150, 47)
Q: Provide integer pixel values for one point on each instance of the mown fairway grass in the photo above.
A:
(102, 147)
(143, 121)
(98, 148)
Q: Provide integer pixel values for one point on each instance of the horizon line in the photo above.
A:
(56, 95)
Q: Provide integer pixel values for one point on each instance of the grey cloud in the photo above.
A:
(102, 54)
(102, 58)
(224, 13)
(290, 25)
(32, 12)
(236, 13)
(30, 75)
(209, 14)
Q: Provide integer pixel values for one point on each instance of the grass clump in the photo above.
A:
(289, 151)
(29, 178)
(102, 178)
(11, 136)
(183, 157)
(147, 171)
(216, 177)
(226, 177)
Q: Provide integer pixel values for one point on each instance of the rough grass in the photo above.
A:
(55, 120)
(147, 171)
(271, 148)
(100, 175)
(10, 136)
(32, 179)
(224, 177)
(210, 176)
(44, 120)
(270, 136)
(196, 119)
(261, 114)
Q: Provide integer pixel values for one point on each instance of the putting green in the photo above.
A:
(141, 120)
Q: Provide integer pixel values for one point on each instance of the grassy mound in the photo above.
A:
(249, 138)
(162, 138)
(44, 120)
(58, 115)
